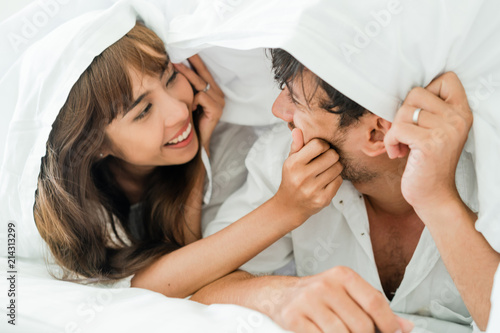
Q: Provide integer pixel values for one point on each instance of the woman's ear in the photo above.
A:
(104, 150)
(375, 134)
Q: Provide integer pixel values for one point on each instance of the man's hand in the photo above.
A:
(435, 143)
(339, 301)
(311, 176)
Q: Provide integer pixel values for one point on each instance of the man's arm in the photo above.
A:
(468, 257)
(435, 143)
(337, 300)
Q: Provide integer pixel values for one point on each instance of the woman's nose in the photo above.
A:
(175, 112)
(283, 108)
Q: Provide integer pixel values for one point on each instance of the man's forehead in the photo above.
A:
(306, 88)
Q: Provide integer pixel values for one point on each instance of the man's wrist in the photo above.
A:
(446, 212)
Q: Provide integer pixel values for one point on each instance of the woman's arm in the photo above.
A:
(311, 177)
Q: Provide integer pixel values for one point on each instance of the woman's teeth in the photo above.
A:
(181, 137)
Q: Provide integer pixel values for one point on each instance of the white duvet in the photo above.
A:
(373, 51)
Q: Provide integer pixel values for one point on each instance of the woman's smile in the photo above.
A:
(183, 137)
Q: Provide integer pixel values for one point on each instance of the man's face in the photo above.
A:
(316, 122)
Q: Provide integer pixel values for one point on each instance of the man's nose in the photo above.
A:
(283, 108)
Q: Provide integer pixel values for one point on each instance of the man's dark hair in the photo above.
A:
(286, 69)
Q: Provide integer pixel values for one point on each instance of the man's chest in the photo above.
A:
(393, 244)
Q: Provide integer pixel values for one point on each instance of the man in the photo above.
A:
(396, 226)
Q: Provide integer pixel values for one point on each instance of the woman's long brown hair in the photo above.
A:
(80, 210)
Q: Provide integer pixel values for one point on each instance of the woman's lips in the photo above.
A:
(183, 138)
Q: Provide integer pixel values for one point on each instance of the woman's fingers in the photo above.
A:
(201, 78)
(201, 69)
(197, 82)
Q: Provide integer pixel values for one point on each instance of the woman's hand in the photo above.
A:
(211, 100)
(311, 176)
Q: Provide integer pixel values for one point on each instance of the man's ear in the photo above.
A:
(375, 133)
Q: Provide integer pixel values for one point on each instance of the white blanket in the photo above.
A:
(373, 51)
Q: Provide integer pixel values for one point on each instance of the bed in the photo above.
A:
(371, 59)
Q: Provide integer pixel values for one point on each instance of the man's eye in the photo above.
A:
(144, 113)
(172, 78)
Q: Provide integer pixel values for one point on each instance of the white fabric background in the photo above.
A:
(373, 51)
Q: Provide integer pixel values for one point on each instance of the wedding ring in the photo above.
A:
(207, 87)
(416, 114)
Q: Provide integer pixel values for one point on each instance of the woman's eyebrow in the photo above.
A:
(165, 67)
(137, 101)
(140, 98)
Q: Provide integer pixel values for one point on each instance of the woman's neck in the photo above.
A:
(131, 178)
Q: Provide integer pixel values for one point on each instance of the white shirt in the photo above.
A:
(339, 235)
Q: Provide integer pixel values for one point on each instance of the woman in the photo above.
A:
(127, 136)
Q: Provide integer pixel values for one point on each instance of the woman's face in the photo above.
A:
(157, 129)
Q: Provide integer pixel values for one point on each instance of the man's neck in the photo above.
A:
(384, 192)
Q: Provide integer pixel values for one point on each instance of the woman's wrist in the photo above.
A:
(206, 146)
(290, 213)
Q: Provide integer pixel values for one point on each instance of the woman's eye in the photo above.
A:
(144, 113)
(172, 78)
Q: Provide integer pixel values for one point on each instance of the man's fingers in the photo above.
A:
(355, 318)
(407, 326)
(372, 302)
(321, 314)
(426, 119)
(327, 320)
(401, 136)
(422, 98)
(304, 325)
(298, 141)
(449, 88)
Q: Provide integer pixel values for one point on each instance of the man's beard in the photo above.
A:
(353, 171)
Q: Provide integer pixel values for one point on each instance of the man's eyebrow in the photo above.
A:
(291, 94)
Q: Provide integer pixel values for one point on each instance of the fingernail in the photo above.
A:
(398, 331)
(408, 326)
